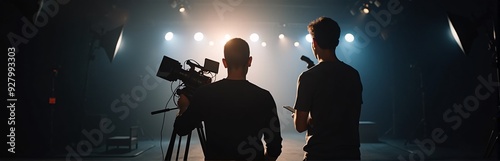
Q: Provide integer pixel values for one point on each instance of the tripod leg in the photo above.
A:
(178, 148)
(201, 135)
(414, 134)
(171, 143)
(491, 144)
(188, 142)
(492, 141)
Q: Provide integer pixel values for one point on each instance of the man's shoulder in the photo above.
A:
(225, 83)
(256, 87)
(349, 67)
(339, 66)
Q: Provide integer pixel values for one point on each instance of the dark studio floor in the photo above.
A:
(385, 149)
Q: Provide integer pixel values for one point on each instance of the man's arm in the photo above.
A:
(273, 140)
(301, 120)
(303, 102)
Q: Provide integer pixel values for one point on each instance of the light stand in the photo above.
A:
(465, 31)
(493, 139)
(423, 120)
(110, 42)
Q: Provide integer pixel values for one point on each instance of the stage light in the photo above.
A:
(198, 36)
(309, 38)
(111, 42)
(365, 8)
(182, 9)
(463, 31)
(254, 37)
(349, 37)
(264, 44)
(173, 4)
(296, 44)
(377, 3)
(281, 36)
(169, 36)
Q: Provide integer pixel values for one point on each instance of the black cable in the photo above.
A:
(163, 122)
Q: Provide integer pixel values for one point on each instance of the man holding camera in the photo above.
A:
(235, 112)
(328, 101)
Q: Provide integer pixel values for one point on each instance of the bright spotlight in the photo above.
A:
(198, 36)
(281, 36)
(463, 31)
(254, 37)
(111, 42)
(169, 36)
(118, 44)
(296, 44)
(182, 9)
(365, 8)
(309, 38)
(264, 44)
(349, 37)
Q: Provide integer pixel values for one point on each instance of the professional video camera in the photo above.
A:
(171, 70)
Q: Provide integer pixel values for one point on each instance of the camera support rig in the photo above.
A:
(171, 70)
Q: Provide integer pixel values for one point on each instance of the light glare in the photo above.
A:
(296, 44)
(169, 36)
(254, 37)
(264, 44)
(455, 35)
(309, 38)
(118, 44)
(198, 36)
(349, 37)
(366, 10)
(281, 36)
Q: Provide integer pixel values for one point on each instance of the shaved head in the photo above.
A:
(236, 53)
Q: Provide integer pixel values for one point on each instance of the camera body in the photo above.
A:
(171, 70)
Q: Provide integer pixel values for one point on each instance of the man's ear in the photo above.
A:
(314, 44)
(224, 62)
(249, 61)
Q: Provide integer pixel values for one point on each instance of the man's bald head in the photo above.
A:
(236, 53)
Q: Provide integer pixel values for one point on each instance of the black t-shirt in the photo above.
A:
(236, 115)
(331, 92)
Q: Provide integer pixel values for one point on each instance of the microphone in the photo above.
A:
(309, 62)
(162, 111)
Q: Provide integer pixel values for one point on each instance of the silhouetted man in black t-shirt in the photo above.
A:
(235, 112)
(328, 102)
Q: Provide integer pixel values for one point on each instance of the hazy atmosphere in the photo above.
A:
(416, 78)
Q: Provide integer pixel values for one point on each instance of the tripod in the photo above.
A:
(201, 135)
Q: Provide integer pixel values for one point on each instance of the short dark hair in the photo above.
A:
(325, 32)
(236, 53)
